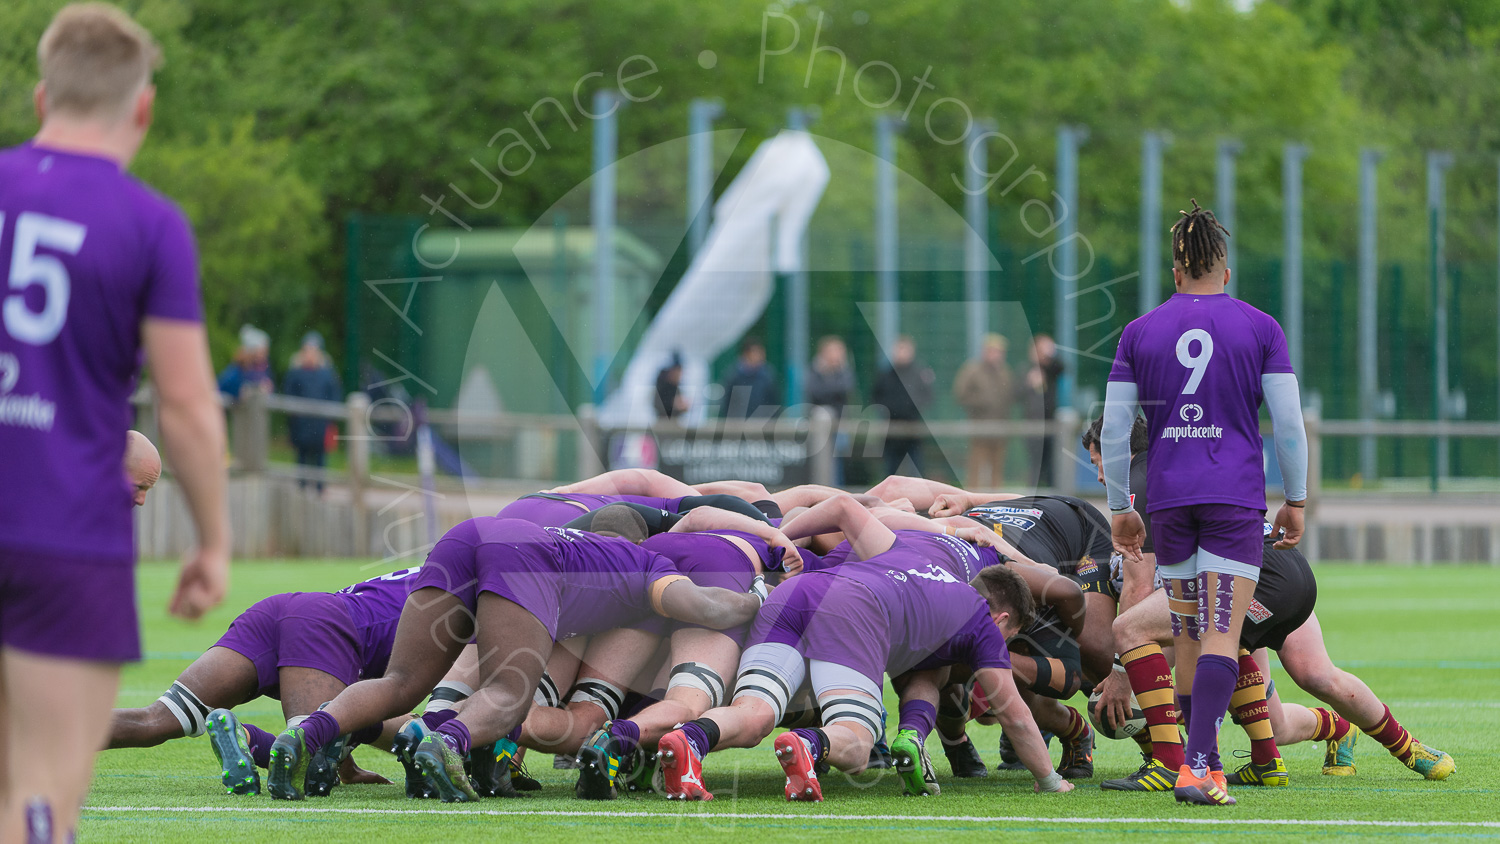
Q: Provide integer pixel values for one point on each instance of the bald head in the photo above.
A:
(142, 465)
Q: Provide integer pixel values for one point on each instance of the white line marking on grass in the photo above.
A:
(302, 810)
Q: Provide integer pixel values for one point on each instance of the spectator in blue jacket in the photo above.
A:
(311, 377)
(751, 386)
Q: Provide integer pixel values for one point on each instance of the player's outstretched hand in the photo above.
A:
(1288, 526)
(1062, 788)
(202, 585)
(1114, 699)
(946, 505)
(1129, 532)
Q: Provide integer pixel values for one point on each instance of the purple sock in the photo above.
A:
(697, 737)
(260, 745)
(1213, 686)
(625, 729)
(918, 715)
(433, 720)
(514, 735)
(455, 734)
(320, 728)
(814, 740)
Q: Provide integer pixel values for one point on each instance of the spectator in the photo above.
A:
(983, 389)
(251, 367)
(830, 384)
(311, 377)
(1041, 400)
(670, 402)
(905, 389)
(751, 386)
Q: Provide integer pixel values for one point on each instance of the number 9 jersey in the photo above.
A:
(87, 253)
(1197, 362)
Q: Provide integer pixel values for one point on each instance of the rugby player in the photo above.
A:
(1199, 366)
(890, 609)
(142, 466)
(1280, 618)
(102, 269)
(518, 588)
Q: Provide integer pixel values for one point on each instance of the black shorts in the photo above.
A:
(1284, 600)
(1055, 654)
(1094, 575)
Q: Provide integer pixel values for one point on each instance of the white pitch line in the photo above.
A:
(802, 817)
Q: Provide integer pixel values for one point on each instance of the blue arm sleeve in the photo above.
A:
(1287, 431)
(1120, 401)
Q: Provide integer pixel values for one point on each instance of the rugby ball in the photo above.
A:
(1135, 723)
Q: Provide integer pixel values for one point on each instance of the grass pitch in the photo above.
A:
(1427, 640)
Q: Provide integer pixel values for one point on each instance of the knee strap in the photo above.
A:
(696, 675)
(189, 711)
(606, 696)
(546, 693)
(446, 694)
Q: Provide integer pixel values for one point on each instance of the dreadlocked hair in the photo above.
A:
(1198, 240)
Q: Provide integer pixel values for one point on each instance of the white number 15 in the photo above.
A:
(27, 268)
(1197, 363)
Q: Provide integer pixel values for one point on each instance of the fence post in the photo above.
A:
(252, 431)
(358, 444)
(1064, 448)
(590, 449)
(821, 434)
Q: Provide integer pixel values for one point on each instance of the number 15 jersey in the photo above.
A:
(86, 252)
(1197, 362)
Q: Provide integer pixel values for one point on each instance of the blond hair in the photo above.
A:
(94, 61)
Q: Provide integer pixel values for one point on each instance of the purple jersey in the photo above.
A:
(576, 583)
(88, 252)
(555, 509)
(1197, 363)
(961, 559)
(375, 608)
(711, 558)
(932, 613)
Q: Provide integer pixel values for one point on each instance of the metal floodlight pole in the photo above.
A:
(976, 250)
(1437, 166)
(602, 200)
(1149, 295)
(1068, 139)
(1369, 386)
(797, 340)
(1224, 201)
(700, 176)
(888, 292)
(1291, 270)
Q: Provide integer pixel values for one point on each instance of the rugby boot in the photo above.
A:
(964, 758)
(1151, 776)
(231, 745)
(913, 765)
(443, 768)
(405, 744)
(795, 756)
(1430, 762)
(598, 767)
(1272, 774)
(490, 770)
(1200, 791)
(1078, 757)
(1338, 759)
(682, 768)
(289, 758)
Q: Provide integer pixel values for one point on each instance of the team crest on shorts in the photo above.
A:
(1087, 566)
(1257, 612)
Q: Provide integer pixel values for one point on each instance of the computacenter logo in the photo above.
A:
(1191, 414)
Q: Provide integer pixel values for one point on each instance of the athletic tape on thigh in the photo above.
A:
(696, 675)
(1183, 609)
(1216, 595)
(606, 696)
(854, 709)
(831, 684)
(546, 693)
(772, 672)
(189, 711)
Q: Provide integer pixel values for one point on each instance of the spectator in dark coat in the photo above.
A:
(751, 386)
(670, 402)
(830, 384)
(251, 367)
(311, 377)
(905, 389)
(1041, 400)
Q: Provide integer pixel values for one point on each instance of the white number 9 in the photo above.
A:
(1197, 363)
